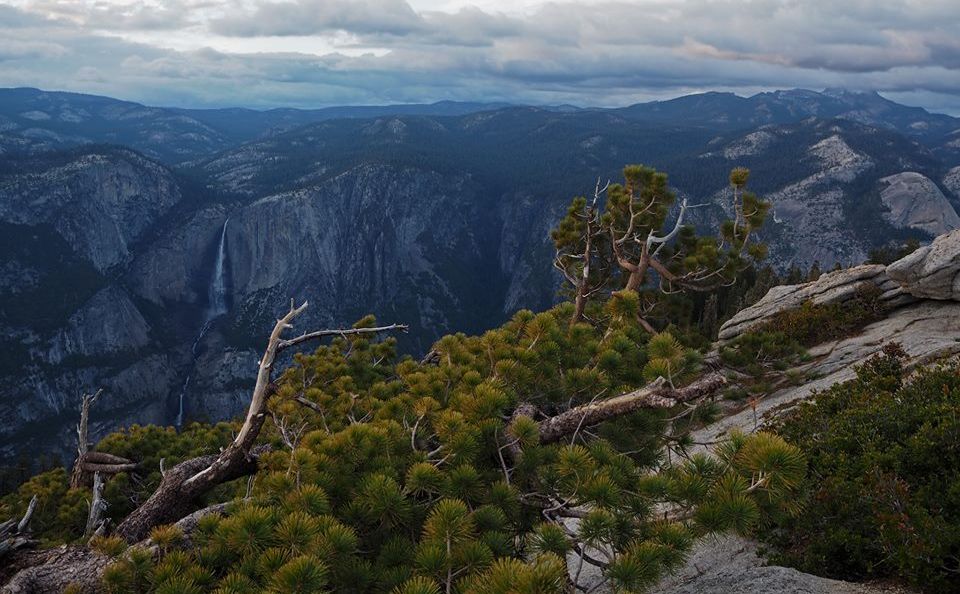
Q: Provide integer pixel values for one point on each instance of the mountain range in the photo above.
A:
(149, 249)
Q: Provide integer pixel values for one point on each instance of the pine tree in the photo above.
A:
(629, 240)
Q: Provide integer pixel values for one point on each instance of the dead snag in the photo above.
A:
(15, 535)
(187, 481)
(88, 463)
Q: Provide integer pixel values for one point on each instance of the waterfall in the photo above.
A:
(218, 289)
(216, 307)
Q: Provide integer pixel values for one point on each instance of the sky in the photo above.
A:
(315, 53)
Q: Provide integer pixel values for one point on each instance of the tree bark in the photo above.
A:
(50, 571)
(639, 271)
(580, 299)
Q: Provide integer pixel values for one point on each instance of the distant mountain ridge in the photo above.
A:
(53, 119)
(32, 119)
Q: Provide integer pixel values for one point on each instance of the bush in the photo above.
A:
(887, 456)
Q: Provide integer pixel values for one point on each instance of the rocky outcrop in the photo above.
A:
(930, 272)
(726, 564)
(928, 331)
(952, 181)
(833, 287)
(933, 271)
(914, 201)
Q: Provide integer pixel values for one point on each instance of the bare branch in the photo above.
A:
(655, 240)
(285, 344)
(78, 477)
(188, 480)
(654, 395)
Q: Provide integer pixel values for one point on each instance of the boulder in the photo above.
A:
(931, 272)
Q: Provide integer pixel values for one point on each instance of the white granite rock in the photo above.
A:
(933, 271)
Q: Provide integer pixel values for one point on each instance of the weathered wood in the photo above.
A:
(285, 344)
(78, 477)
(655, 395)
(187, 481)
(51, 571)
(15, 535)
(98, 505)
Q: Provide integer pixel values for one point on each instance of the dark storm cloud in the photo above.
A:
(394, 50)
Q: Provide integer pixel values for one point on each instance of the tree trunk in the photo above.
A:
(97, 506)
(79, 477)
(636, 278)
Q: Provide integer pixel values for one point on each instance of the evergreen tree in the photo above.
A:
(636, 243)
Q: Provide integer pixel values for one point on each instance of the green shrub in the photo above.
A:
(886, 454)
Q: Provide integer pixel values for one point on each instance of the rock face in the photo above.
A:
(100, 202)
(933, 271)
(106, 325)
(928, 331)
(927, 325)
(916, 202)
(70, 225)
(952, 181)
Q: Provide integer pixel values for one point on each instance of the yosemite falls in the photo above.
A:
(216, 307)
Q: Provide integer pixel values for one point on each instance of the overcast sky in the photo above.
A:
(313, 53)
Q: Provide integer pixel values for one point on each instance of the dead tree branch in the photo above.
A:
(655, 395)
(98, 506)
(15, 535)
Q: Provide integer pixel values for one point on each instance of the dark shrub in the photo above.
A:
(885, 456)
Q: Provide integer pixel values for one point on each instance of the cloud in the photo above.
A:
(308, 17)
(200, 52)
(105, 15)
